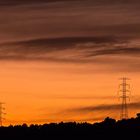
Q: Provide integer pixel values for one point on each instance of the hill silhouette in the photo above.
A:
(107, 129)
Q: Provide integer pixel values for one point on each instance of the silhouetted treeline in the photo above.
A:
(107, 129)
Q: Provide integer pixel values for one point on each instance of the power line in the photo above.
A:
(124, 89)
(1, 113)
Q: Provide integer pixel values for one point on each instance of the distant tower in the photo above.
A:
(1, 113)
(124, 91)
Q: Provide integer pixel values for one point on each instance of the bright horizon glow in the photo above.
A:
(45, 92)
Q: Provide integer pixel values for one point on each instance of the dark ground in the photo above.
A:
(108, 129)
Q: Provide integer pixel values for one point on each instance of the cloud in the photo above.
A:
(17, 2)
(104, 107)
(72, 31)
(101, 51)
(125, 51)
(13, 2)
(67, 18)
(72, 48)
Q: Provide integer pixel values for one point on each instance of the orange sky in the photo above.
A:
(36, 92)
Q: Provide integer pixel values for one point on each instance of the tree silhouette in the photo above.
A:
(107, 129)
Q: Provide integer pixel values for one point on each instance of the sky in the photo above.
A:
(61, 60)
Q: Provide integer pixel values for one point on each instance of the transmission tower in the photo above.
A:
(124, 92)
(1, 113)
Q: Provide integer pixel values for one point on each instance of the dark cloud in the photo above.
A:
(70, 31)
(62, 43)
(89, 46)
(13, 2)
(67, 18)
(122, 30)
(40, 47)
(17, 2)
(125, 51)
(104, 107)
(72, 49)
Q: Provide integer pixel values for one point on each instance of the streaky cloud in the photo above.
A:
(104, 107)
(100, 50)
(69, 48)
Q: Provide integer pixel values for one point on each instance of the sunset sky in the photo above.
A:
(61, 60)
